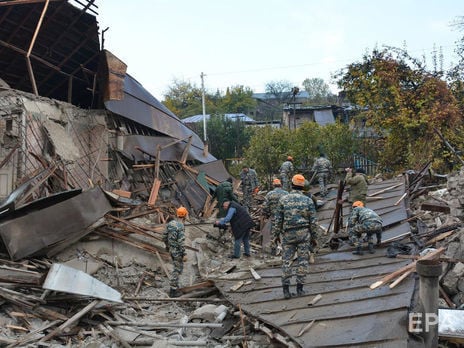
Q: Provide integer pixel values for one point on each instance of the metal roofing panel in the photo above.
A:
(324, 117)
(233, 117)
(172, 153)
(140, 106)
(349, 312)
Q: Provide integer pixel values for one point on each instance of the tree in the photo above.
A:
(280, 91)
(318, 91)
(237, 99)
(269, 147)
(184, 99)
(404, 103)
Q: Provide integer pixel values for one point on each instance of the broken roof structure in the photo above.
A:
(51, 49)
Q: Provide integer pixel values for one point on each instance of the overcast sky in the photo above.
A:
(253, 42)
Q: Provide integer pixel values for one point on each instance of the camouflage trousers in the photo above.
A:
(178, 267)
(302, 262)
(248, 198)
(369, 227)
(285, 181)
(323, 178)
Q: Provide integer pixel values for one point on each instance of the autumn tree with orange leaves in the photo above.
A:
(404, 103)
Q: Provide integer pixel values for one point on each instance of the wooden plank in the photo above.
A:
(154, 192)
(122, 193)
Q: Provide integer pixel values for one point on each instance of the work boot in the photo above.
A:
(299, 290)
(371, 248)
(286, 289)
(358, 251)
(174, 292)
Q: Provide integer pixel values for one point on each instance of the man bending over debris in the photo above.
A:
(364, 220)
(241, 223)
(174, 237)
(295, 224)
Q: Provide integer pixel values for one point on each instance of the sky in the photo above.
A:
(255, 42)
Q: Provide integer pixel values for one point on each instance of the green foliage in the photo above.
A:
(403, 102)
(319, 92)
(269, 147)
(226, 137)
(237, 99)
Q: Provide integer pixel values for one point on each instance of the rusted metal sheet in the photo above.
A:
(34, 229)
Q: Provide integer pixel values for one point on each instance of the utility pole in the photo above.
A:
(203, 105)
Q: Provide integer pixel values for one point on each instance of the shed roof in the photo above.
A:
(233, 117)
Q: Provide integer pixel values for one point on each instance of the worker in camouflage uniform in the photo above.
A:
(249, 184)
(272, 199)
(224, 192)
(295, 226)
(358, 185)
(364, 220)
(174, 237)
(286, 173)
(322, 168)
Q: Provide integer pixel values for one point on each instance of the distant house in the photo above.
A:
(233, 117)
(322, 115)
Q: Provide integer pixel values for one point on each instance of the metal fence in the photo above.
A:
(361, 162)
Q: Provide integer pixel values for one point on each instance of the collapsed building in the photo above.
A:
(81, 138)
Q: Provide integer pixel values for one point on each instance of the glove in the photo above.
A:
(256, 190)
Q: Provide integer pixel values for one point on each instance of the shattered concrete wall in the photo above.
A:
(37, 132)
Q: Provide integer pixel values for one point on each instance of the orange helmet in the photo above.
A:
(289, 158)
(276, 182)
(182, 212)
(358, 204)
(298, 180)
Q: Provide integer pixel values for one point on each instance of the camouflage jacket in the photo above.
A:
(271, 200)
(295, 217)
(249, 180)
(358, 190)
(322, 165)
(287, 169)
(362, 215)
(174, 237)
(225, 192)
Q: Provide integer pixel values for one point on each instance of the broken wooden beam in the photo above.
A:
(393, 275)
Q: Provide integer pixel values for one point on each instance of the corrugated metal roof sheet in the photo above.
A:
(349, 313)
(234, 117)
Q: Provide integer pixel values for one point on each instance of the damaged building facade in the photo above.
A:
(68, 107)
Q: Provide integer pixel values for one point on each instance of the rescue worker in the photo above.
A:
(364, 220)
(174, 237)
(249, 184)
(224, 192)
(241, 224)
(322, 168)
(295, 226)
(358, 185)
(272, 199)
(286, 173)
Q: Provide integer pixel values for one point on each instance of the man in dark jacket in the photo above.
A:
(241, 223)
(224, 192)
